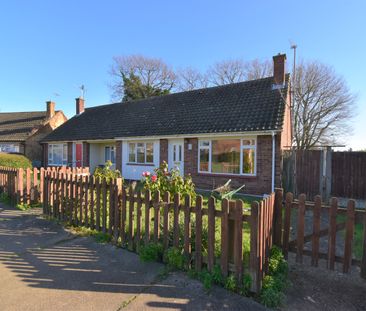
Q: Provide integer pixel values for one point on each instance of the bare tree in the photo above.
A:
(190, 79)
(323, 105)
(237, 70)
(153, 73)
(226, 72)
(257, 69)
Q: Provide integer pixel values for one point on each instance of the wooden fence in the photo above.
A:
(25, 186)
(135, 218)
(294, 216)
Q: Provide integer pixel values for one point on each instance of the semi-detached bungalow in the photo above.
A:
(234, 131)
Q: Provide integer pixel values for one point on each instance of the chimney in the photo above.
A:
(279, 69)
(79, 105)
(50, 109)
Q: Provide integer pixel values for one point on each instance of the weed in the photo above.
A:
(4, 198)
(151, 252)
(174, 258)
(231, 283)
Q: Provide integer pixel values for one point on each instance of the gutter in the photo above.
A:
(273, 159)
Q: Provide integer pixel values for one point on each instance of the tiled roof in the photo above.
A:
(18, 126)
(239, 107)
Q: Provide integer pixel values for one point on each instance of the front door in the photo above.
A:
(79, 155)
(176, 155)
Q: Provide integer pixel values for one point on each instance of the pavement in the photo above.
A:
(45, 267)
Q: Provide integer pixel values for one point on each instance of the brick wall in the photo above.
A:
(260, 184)
(86, 154)
(163, 150)
(119, 155)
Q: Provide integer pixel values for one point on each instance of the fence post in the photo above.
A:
(277, 217)
(224, 237)
(363, 261)
(254, 249)
(198, 241)
(20, 186)
(350, 223)
(332, 233)
(287, 223)
(238, 240)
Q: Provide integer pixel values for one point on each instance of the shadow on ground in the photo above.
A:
(45, 267)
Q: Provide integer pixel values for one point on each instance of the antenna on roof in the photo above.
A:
(82, 90)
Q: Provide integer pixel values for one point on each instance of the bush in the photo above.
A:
(14, 160)
(151, 252)
(106, 172)
(171, 181)
(174, 258)
(276, 281)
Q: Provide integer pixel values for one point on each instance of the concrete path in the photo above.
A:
(44, 267)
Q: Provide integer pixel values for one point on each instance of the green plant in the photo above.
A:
(275, 282)
(4, 198)
(217, 275)
(171, 181)
(99, 237)
(107, 172)
(174, 258)
(25, 206)
(14, 160)
(231, 283)
(207, 279)
(151, 252)
(244, 288)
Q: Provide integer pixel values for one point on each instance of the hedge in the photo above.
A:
(14, 160)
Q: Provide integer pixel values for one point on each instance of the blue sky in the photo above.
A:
(49, 47)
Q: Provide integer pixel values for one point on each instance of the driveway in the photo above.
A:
(44, 267)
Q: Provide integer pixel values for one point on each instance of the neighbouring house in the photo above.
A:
(234, 131)
(21, 132)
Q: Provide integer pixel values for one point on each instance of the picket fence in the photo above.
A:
(133, 218)
(321, 227)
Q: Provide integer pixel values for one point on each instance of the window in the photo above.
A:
(227, 156)
(110, 154)
(9, 148)
(57, 154)
(141, 153)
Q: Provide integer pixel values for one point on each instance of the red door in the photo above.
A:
(79, 155)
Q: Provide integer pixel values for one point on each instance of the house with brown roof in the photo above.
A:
(235, 131)
(21, 132)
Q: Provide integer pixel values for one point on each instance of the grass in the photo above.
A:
(25, 206)
(100, 237)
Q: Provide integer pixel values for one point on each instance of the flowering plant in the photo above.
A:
(168, 181)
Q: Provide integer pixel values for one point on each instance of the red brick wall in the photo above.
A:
(163, 150)
(119, 155)
(86, 154)
(260, 184)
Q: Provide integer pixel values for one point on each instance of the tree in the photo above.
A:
(147, 76)
(237, 70)
(323, 105)
(190, 79)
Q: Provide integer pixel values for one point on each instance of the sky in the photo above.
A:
(49, 48)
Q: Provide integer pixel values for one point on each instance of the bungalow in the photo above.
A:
(21, 132)
(234, 131)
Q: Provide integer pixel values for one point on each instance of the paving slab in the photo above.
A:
(45, 267)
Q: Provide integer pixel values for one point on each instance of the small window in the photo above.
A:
(57, 154)
(132, 153)
(109, 154)
(149, 152)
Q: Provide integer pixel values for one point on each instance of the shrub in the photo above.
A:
(230, 283)
(107, 172)
(4, 198)
(14, 160)
(151, 252)
(174, 258)
(276, 281)
(168, 181)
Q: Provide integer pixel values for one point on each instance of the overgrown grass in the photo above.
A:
(99, 237)
(25, 206)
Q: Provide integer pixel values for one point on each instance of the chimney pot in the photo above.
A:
(79, 105)
(279, 69)
(50, 109)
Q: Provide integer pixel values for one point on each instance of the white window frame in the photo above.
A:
(145, 154)
(9, 148)
(111, 148)
(242, 147)
(50, 155)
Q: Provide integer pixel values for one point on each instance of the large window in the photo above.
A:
(141, 153)
(227, 156)
(9, 148)
(57, 154)
(110, 154)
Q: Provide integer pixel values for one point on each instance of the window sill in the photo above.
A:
(140, 164)
(227, 175)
